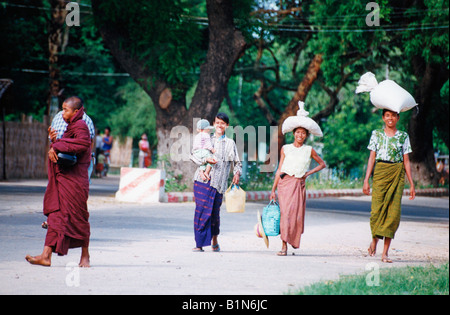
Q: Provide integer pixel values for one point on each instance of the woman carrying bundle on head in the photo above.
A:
(389, 160)
(293, 169)
(389, 149)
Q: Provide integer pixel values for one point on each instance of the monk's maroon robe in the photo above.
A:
(65, 199)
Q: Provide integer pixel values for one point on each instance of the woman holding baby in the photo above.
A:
(210, 184)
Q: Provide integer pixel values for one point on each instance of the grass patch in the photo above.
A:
(422, 280)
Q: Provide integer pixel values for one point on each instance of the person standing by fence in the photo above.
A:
(145, 155)
(107, 145)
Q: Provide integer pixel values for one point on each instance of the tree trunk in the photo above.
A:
(423, 164)
(55, 33)
(300, 95)
(226, 45)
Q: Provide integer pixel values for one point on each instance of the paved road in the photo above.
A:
(146, 249)
(421, 208)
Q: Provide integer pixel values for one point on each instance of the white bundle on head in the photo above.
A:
(385, 95)
(301, 120)
(302, 111)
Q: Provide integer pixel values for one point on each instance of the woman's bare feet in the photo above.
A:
(283, 251)
(386, 259)
(372, 250)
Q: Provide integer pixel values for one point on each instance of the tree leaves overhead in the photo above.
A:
(160, 33)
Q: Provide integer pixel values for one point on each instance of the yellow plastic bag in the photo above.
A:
(235, 198)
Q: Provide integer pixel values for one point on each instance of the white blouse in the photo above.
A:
(297, 160)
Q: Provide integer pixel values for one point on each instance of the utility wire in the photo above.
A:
(91, 74)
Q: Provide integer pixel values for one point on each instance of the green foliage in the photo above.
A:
(431, 44)
(174, 182)
(85, 54)
(136, 117)
(161, 34)
(24, 46)
(421, 280)
(255, 180)
(340, 37)
(171, 38)
(347, 133)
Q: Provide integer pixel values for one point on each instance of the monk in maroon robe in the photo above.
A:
(65, 199)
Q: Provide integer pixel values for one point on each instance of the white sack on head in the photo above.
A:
(301, 120)
(387, 94)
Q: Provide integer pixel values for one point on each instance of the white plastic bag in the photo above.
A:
(387, 94)
(235, 198)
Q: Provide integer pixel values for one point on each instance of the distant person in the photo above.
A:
(440, 167)
(107, 145)
(202, 147)
(100, 164)
(65, 199)
(389, 149)
(98, 143)
(145, 155)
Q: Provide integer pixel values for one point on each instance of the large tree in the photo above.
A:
(313, 41)
(426, 48)
(160, 44)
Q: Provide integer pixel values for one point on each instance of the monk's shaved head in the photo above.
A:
(74, 101)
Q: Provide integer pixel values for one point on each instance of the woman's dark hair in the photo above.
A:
(224, 117)
(307, 131)
(387, 110)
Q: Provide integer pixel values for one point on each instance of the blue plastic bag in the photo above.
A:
(271, 219)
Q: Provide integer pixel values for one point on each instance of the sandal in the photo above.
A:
(216, 248)
(197, 249)
(386, 259)
(282, 253)
(371, 251)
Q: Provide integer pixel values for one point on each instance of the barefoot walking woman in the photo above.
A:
(389, 149)
(389, 161)
(290, 177)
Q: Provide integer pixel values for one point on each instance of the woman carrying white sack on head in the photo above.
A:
(290, 177)
(389, 149)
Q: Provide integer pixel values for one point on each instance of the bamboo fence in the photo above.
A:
(25, 149)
